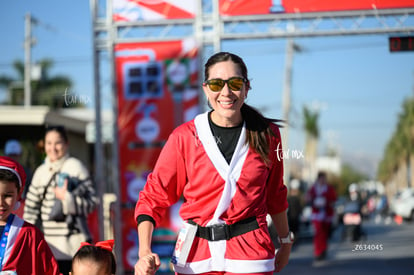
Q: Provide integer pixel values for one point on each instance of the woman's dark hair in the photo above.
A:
(60, 129)
(8, 176)
(257, 126)
(97, 255)
(226, 56)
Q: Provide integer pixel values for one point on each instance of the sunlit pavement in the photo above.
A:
(388, 249)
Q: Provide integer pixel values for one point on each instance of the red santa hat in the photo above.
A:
(14, 167)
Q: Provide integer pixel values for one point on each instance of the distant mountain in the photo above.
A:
(362, 162)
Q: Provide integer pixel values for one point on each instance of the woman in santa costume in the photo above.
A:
(226, 166)
(23, 249)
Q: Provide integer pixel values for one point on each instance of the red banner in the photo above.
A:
(244, 7)
(326, 5)
(147, 10)
(247, 7)
(157, 86)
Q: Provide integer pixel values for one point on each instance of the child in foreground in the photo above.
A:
(23, 249)
(95, 259)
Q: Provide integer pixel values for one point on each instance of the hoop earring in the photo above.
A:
(17, 205)
(208, 103)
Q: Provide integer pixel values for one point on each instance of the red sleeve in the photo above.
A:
(45, 261)
(276, 190)
(165, 184)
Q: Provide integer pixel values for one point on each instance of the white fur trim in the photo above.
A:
(14, 172)
(229, 173)
(234, 266)
(13, 233)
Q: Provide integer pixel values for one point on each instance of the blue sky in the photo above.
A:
(358, 84)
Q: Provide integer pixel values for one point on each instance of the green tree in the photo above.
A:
(349, 175)
(48, 90)
(400, 148)
(14, 85)
(311, 140)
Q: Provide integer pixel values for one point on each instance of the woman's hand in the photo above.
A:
(60, 192)
(147, 265)
(282, 256)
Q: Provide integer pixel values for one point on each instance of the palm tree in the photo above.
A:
(15, 86)
(48, 90)
(399, 151)
(311, 140)
(405, 130)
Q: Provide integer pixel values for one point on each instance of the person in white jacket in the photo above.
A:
(60, 197)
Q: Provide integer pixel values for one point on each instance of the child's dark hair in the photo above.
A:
(8, 176)
(97, 255)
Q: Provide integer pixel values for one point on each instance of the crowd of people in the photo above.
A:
(48, 228)
(24, 249)
(223, 164)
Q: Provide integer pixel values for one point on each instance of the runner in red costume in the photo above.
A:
(225, 165)
(322, 196)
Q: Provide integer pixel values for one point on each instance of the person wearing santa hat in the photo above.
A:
(23, 249)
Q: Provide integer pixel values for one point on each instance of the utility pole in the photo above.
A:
(287, 86)
(286, 107)
(99, 168)
(28, 42)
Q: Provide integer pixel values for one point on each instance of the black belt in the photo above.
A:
(220, 232)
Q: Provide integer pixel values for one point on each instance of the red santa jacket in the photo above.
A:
(323, 197)
(192, 166)
(27, 253)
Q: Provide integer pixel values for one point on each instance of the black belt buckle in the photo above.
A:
(219, 232)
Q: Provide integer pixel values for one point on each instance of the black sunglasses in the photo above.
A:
(216, 85)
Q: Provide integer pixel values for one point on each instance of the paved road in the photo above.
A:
(388, 249)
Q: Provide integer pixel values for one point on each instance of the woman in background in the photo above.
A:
(62, 181)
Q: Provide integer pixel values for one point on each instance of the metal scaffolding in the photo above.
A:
(212, 28)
